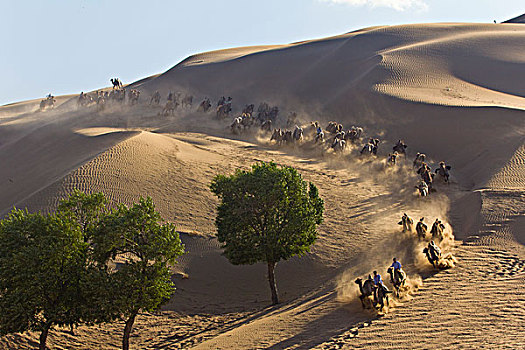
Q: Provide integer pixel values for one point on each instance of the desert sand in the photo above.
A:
(451, 90)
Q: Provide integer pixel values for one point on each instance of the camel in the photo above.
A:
(423, 188)
(298, 134)
(310, 129)
(443, 171)
(367, 149)
(205, 105)
(426, 175)
(266, 126)
(248, 110)
(118, 95)
(223, 111)
(391, 160)
(155, 99)
(319, 137)
(247, 120)
(400, 147)
(354, 134)
(288, 136)
(236, 126)
(407, 222)
(433, 253)
(419, 160)
(421, 229)
(371, 147)
(49, 101)
(437, 230)
(339, 145)
(101, 102)
(278, 136)
(134, 96)
(169, 108)
(397, 277)
(117, 84)
(367, 290)
(332, 127)
(187, 101)
(83, 99)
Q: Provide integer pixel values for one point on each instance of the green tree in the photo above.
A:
(265, 215)
(144, 249)
(40, 256)
(86, 209)
(93, 286)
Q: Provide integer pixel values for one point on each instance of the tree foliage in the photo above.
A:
(143, 249)
(55, 269)
(265, 215)
(42, 266)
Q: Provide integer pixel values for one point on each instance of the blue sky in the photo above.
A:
(68, 46)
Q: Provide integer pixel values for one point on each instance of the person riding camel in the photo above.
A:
(443, 171)
(421, 229)
(378, 283)
(418, 161)
(424, 167)
(437, 230)
(407, 223)
(423, 188)
(433, 246)
(426, 174)
(391, 160)
(375, 143)
(396, 265)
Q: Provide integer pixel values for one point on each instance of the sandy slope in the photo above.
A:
(453, 91)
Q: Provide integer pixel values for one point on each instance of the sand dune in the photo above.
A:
(451, 90)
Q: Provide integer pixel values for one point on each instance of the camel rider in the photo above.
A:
(392, 158)
(433, 246)
(423, 168)
(443, 171)
(396, 265)
(437, 230)
(423, 188)
(319, 130)
(407, 222)
(421, 229)
(378, 283)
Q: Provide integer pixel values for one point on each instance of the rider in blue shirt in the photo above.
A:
(378, 282)
(377, 279)
(396, 265)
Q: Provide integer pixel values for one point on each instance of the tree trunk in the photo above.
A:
(271, 279)
(127, 331)
(43, 336)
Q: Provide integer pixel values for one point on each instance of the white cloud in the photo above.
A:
(398, 5)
